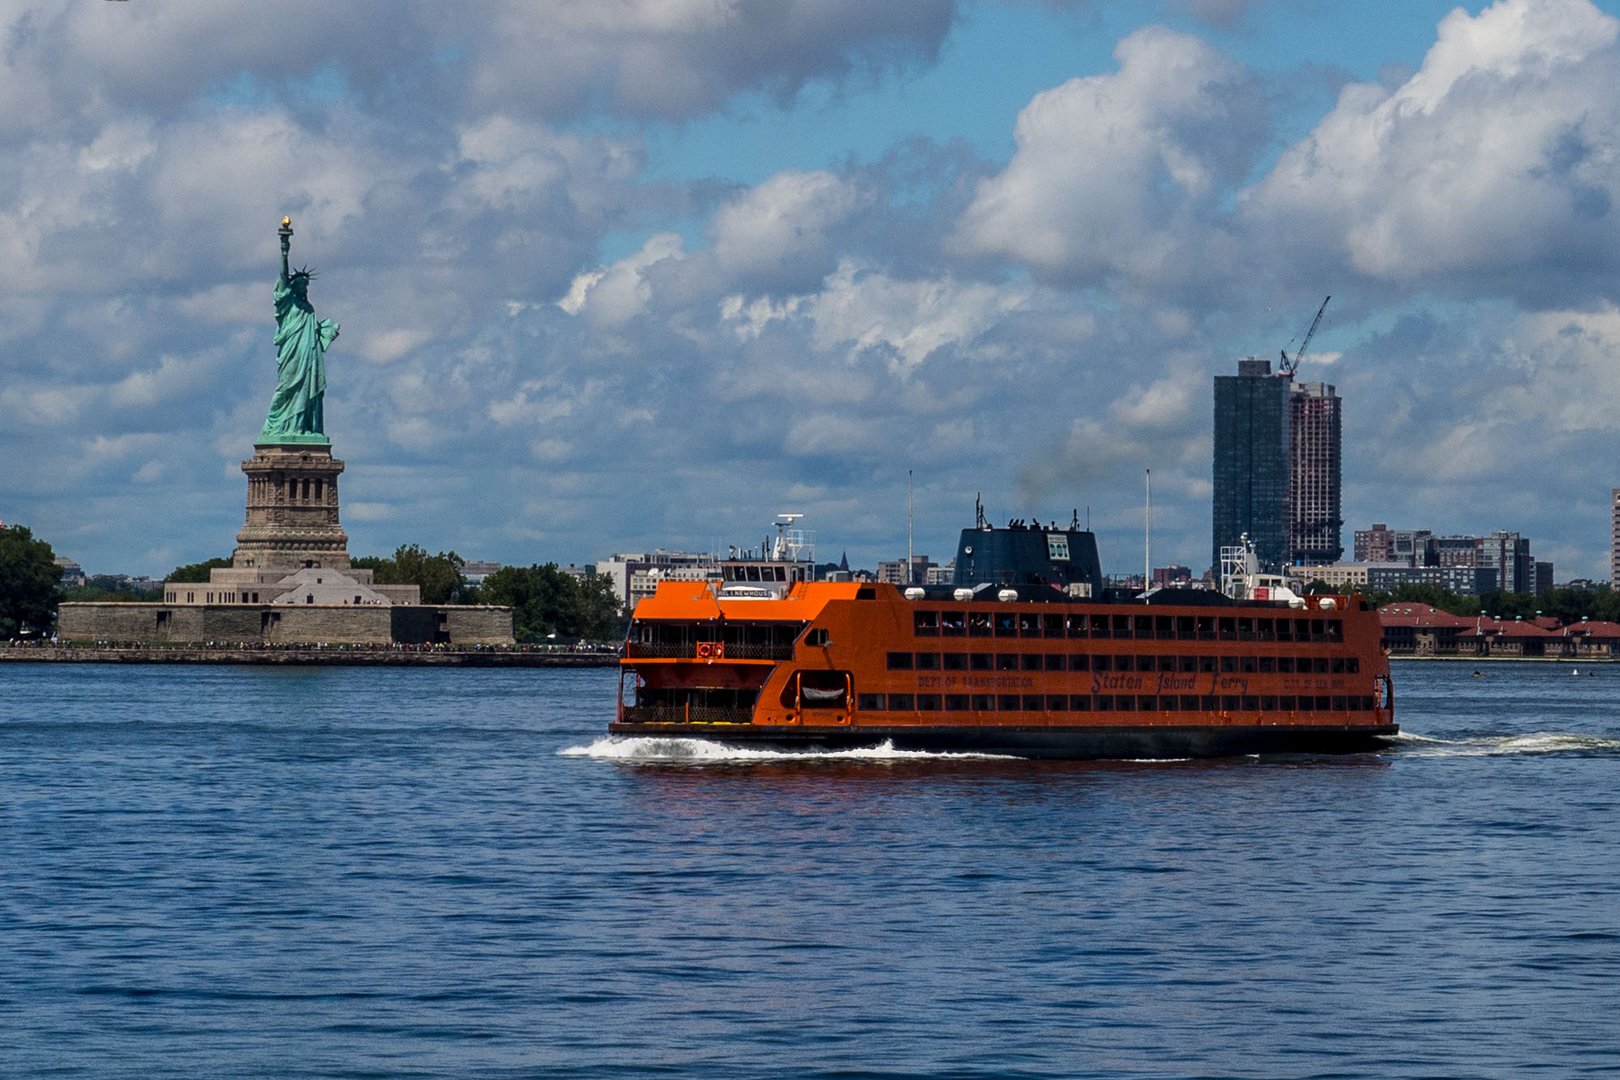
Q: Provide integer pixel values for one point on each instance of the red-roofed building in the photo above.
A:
(1593, 640)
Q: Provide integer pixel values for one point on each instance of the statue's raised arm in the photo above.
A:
(296, 411)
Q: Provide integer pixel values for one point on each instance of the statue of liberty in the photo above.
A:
(296, 410)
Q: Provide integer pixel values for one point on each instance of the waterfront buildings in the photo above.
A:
(1466, 565)
(1614, 535)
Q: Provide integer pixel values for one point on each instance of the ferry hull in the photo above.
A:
(1072, 743)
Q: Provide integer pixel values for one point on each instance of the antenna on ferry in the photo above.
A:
(1147, 536)
(911, 507)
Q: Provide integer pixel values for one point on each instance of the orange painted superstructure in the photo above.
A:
(837, 664)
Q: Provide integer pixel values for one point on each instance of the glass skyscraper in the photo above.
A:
(1276, 467)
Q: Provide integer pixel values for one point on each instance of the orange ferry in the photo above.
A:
(1024, 654)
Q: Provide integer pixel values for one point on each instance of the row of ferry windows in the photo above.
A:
(1281, 665)
(1039, 624)
(1111, 703)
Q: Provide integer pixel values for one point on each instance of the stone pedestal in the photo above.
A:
(292, 511)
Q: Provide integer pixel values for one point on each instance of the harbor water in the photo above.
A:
(356, 872)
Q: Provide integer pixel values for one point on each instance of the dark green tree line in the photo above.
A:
(545, 601)
(439, 576)
(29, 575)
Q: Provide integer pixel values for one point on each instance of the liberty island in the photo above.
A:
(291, 580)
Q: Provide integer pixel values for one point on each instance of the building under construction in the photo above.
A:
(1277, 464)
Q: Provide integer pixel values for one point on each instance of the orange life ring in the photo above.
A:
(705, 650)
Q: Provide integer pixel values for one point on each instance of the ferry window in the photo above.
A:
(1080, 703)
(1167, 663)
(1245, 629)
(865, 594)
(1251, 703)
(818, 638)
(1056, 662)
(1189, 702)
(1229, 703)
(955, 661)
(781, 573)
(1124, 703)
(900, 703)
(1164, 627)
(1122, 626)
(984, 703)
(1008, 703)
(1319, 665)
(1324, 703)
(1057, 703)
(1228, 664)
(928, 703)
(1052, 625)
(1006, 661)
(1187, 663)
(925, 623)
(1079, 662)
(981, 661)
(1034, 702)
(1226, 629)
(1029, 662)
(1338, 665)
(1206, 664)
(928, 661)
(956, 703)
(1338, 704)
(1029, 624)
(979, 623)
(1146, 663)
(1209, 703)
(1142, 626)
(953, 623)
(1352, 665)
(1268, 703)
(1105, 703)
(1266, 629)
(1285, 664)
(1318, 630)
(1287, 704)
(900, 661)
(1102, 663)
(1076, 625)
(1006, 624)
(870, 702)
(1099, 626)
(1268, 664)
(1285, 630)
(1248, 665)
(1186, 627)
(1206, 627)
(1147, 703)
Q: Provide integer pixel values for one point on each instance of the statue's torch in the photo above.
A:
(285, 232)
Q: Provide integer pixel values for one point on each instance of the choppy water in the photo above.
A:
(362, 872)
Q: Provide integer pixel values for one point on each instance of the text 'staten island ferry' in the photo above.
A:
(1025, 654)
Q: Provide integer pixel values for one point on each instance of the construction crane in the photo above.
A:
(1287, 367)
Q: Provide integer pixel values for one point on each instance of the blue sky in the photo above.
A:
(620, 276)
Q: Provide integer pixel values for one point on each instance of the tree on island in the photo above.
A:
(29, 575)
(546, 601)
(197, 571)
(438, 576)
(109, 589)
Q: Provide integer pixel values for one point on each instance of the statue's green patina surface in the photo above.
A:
(297, 410)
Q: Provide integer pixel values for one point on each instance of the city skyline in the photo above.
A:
(610, 281)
